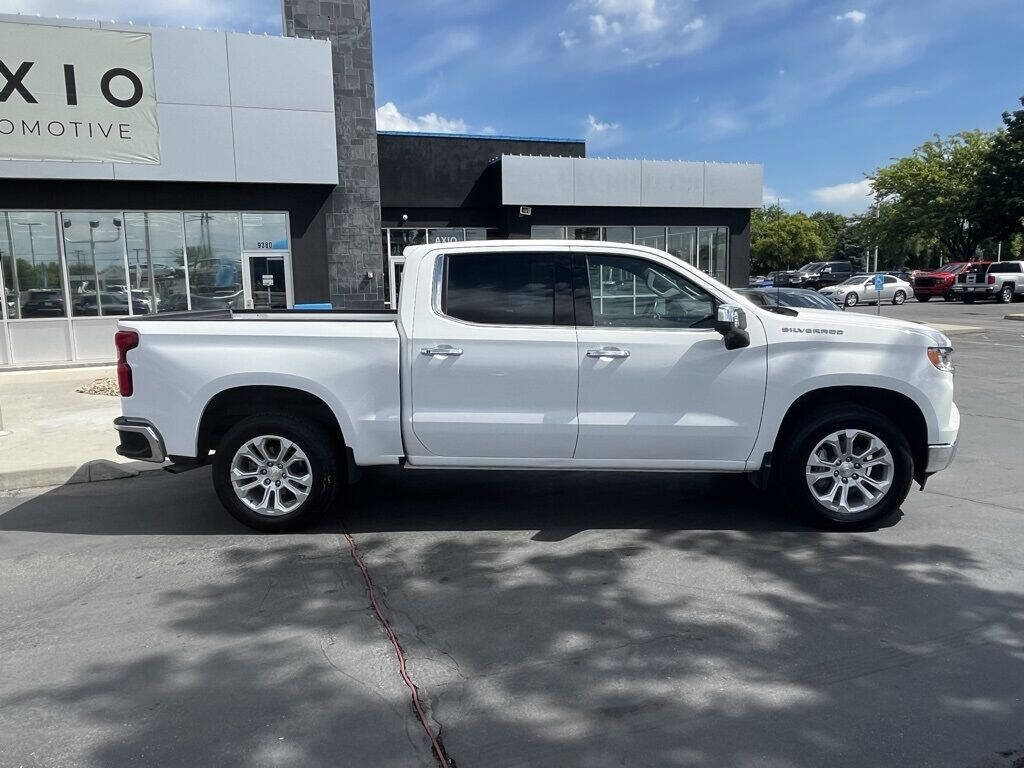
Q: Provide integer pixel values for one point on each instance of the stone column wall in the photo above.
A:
(352, 213)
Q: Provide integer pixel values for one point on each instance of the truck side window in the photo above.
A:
(508, 288)
(629, 292)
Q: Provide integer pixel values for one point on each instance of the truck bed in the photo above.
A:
(339, 315)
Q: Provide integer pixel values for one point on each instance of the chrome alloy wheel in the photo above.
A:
(850, 471)
(271, 475)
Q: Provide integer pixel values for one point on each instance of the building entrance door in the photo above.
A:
(268, 281)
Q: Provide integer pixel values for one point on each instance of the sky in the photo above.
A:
(820, 92)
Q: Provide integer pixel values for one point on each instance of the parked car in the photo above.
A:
(937, 283)
(43, 302)
(797, 298)
(767, 281)
(1000, 280)
(540, 354)
(111, 302)
(861, 288)
(815, 275)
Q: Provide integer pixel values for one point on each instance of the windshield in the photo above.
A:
(807, 299)
(952, 269)
(855, 280)
(814, 266)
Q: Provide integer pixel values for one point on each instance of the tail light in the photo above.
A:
(991, 279)
(125, 340)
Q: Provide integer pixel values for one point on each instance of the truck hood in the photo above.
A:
(939, 275)
(855, 320)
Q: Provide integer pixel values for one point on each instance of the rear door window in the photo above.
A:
(508, 288)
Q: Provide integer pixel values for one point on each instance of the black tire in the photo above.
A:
(847, 301)
(320, 450)
(948, 296)
(899, 297)
(922, 297)
(790, 476)
(968, 298)
(1006, 295)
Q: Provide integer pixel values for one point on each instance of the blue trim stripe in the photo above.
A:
(480, 136)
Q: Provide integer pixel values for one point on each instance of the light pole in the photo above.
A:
(32, 247)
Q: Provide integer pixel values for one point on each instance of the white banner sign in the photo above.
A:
(71, 93)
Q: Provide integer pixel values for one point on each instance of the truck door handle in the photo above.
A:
(441, 350)
(607, 352)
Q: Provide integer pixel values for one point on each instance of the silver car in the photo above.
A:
(861, 289)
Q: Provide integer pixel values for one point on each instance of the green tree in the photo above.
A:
(832, 230)
(935, 194)
(1001, 180)
(780, 240)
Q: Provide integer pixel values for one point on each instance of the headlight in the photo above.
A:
(941, 358)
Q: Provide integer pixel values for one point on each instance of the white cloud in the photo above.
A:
(850, 197)
(596, 126)
(857, 17)
(568, 39)
(693, 26)
(770, 196)
(895, 96)
(390, 119)
(209, 14)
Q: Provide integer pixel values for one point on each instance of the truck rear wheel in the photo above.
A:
(275, 472)
(846, 467)
(1006, 295)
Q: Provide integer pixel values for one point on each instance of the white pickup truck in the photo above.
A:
(542, 355)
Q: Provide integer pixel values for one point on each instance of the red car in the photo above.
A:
(937, 283)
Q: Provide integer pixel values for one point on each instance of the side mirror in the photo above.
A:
(731, 322)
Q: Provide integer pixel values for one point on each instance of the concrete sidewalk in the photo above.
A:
(54, 435)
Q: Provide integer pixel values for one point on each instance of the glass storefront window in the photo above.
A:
(94, 249)
(618, 234)
(156, 261)
(652, 237)
(720, 253)
(547, 233)
(214, 260)
(476, 233)
(682, 243)
(583, 233)
(704, 249)
(265, 231)
(31, 266)
(400, 238)
(9, 299)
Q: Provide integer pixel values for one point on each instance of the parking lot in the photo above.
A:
(549, 619)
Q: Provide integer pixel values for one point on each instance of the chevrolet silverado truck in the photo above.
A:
(1000, 280)
(542, 355)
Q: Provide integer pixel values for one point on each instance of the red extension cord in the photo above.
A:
(435, 741)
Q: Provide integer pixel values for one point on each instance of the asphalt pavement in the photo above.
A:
(549, 619)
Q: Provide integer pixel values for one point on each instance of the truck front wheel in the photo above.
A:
(846, 467)
(275, 472)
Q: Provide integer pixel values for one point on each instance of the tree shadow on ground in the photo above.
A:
(551, 619)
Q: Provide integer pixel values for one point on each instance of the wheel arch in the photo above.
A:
(898, 407)
(230, 405)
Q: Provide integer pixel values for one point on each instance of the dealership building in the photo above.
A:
(152, 170)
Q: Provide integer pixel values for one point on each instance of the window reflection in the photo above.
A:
(652, 237)
(682, 243)
(214, 260)
(94, 250)
(156, 261)
(31, 266)
(265, 231)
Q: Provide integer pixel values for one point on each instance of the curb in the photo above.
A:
(90, 472)
(1018, 316)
